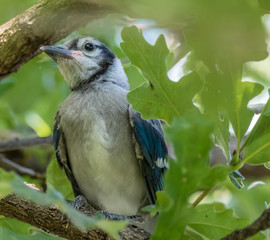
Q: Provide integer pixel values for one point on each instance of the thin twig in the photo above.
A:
(6, 163)
(260, 224)
(24, 143)
(202, 196)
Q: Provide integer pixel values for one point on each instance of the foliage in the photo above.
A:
(159, 97)
(57, 178)
(13, 229)
(218, 39)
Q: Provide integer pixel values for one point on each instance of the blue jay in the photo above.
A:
(111, 155)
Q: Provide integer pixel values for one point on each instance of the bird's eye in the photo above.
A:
(89, 47)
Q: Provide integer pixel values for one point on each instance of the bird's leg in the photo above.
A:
(80, 203)
(113, 216)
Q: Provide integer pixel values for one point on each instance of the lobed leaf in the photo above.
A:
(159, 97)
(214, 221)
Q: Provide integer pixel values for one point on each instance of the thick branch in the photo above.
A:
(17, 143)
(43, 24)
(260, 224)
(53, 221)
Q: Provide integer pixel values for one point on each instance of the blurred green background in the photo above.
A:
(30, 98)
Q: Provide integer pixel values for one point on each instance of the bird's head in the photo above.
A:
(84, 60)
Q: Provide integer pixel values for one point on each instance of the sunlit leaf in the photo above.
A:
(257, 145)
(159, 97)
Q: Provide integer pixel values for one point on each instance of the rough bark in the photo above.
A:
(54, 221)
(43, 24)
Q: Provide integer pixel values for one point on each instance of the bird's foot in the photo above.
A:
(79, 202)
(131, 219)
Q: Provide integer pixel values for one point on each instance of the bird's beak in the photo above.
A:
(56, 51)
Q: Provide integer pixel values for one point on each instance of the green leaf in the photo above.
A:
(152, 209)
(214, 221)
(191, 140)
(8, 118)
(6, 84)
(222, 134)
(13, 229)
(267, 165)
(193, 235)
(58, 179)
(257, 145)
(163, 202)
(5, 185)
(159, 97)
(227, 95)
(111, 227)
(258, 71)
(53, 197)
(265, 4)
(15, 225)
(11, 235)
(135, 78)
(258, 151)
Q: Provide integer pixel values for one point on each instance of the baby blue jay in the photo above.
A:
(111, 155)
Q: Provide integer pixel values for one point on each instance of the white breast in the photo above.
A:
(100, 148)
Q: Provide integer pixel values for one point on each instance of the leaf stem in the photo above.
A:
(202, 196)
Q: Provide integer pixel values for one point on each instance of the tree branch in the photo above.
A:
(8, 164)
(54, 221)
(260, 224)
(17, 143)
(43, 24)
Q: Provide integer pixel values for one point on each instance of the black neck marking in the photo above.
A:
(85, 84)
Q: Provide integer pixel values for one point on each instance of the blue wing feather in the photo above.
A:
(150, 137)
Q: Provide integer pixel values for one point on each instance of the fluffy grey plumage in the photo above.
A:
(100, 149)
(93, 136)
